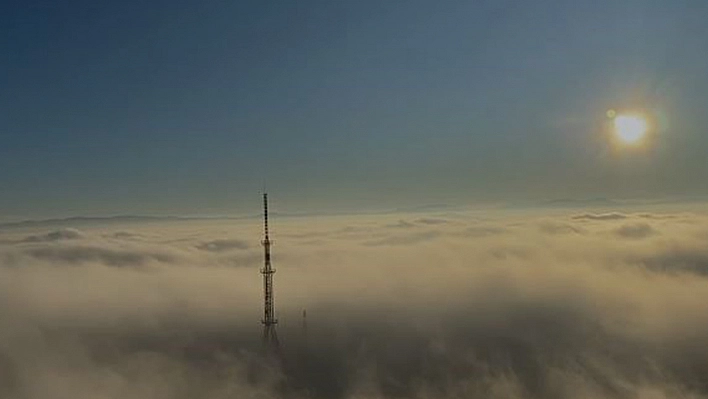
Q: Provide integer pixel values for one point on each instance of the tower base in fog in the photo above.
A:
(270, 338)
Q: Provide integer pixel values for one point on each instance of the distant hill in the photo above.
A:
(79, 220)
(581, 203)
(423, 208)
(568, 203)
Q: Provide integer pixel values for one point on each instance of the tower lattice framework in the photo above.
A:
(270, 337)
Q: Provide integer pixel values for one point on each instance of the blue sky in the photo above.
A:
(189, 107)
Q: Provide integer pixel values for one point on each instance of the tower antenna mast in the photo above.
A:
(270, 337)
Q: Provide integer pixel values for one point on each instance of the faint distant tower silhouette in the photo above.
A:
(270, 337)
(304, 328)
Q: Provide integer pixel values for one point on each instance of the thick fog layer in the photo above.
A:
(574, 305)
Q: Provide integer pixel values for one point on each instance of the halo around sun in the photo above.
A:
(629, 129)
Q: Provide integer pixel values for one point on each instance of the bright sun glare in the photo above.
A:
(630, 129)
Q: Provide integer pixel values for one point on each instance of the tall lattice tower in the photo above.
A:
(270, 337)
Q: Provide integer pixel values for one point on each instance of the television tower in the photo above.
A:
(270, 337)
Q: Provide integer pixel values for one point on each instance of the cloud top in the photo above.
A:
(512, 306)
(56, 235)
(601, 216)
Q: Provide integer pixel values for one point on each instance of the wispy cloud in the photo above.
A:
(56, 235)
(601, 216)
(636, 230)
(223, 245)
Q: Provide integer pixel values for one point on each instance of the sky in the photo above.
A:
(193, 107)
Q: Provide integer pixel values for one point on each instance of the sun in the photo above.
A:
(630, 128)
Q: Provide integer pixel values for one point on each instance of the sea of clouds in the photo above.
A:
(562, 304)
